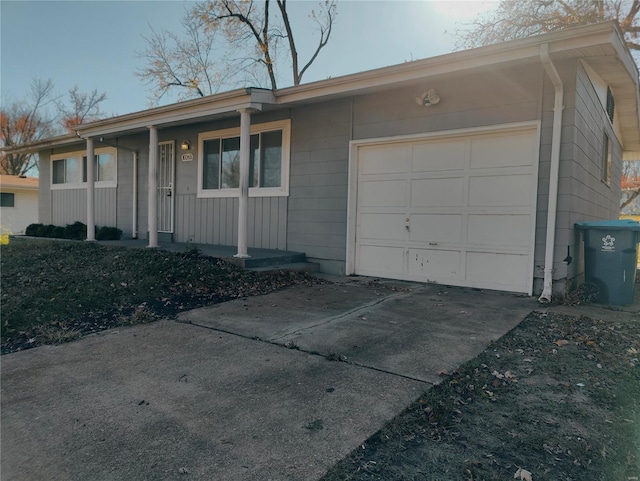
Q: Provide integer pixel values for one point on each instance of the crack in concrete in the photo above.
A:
(342, 315)
(328, 357)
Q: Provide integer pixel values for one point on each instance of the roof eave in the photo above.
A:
(39, 145)
(235, 100)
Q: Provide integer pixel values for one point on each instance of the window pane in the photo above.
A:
(58, 171)
(73, 175)
(254, 161)
(105, 168)
(230, 172)
(211, 164)
(271, 156)
(84, 169)
(7, 199)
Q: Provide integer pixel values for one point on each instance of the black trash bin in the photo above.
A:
(610, 258)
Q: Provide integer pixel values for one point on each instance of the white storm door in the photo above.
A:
(166, 168)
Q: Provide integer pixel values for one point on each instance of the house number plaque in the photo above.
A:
(187, 157)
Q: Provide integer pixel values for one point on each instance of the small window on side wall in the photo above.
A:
(607, 154)
(7, 199)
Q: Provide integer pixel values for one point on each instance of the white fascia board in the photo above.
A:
(227, 102)
(33, 147)
(523, 49)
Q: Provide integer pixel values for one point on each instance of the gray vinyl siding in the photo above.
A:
(317, 209)
(215, 221)
(70, 205)
(474, 99)
(582, 196)
(321, 134)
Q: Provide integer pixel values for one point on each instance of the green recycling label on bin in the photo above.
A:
(608, 243)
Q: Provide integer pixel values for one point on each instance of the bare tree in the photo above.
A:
(519, 18)
(42, 114)
(185, 62)
(82, 107)
(250, 35)
(25, 122)
(630, 186)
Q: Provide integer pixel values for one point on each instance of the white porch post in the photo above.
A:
(91, 224)
(153, 187)
(243, 199)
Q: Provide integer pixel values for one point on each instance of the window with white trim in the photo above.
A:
(70, 170)
(219, 161)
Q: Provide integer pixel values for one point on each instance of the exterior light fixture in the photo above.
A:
(185, 145)
(430, 97)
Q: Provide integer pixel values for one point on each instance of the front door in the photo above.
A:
(166, 163)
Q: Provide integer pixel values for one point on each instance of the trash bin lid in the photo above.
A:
(617, 224)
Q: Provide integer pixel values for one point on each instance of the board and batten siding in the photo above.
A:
(70, 205)
(215, 221)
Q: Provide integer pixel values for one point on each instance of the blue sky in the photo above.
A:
(94, 43)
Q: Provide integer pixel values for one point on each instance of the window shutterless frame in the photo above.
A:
(218, 161)
(68, 170)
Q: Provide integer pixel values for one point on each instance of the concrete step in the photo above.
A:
(267, 261)
(309, 267)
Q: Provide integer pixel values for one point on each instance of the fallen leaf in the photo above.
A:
(561, 342)
(523, 475)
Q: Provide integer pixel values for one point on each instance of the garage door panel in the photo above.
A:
(381, 261)
(498, 271)
(382, 227)
(381, 193)
(439, 156)
(438, 228)
(434, 265)
(500, 191)
(499, 230)
(385, 159)
(462, 212)
(447, 192)
(503, 151)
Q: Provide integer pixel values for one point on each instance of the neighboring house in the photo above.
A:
(18, 203)
(445, 170)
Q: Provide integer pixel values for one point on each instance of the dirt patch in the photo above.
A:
(558, 398)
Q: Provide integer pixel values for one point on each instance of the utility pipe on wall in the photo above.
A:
(554, 172)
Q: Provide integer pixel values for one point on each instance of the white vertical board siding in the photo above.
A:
(459, 209)
(215, 221)
(70, 205)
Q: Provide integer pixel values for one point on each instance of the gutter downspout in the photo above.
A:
(553, 172)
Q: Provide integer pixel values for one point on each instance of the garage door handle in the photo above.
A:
(433, 243)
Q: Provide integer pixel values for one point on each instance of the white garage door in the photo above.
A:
(454, 210)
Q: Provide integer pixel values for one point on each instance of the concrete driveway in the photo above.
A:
(245, 390)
